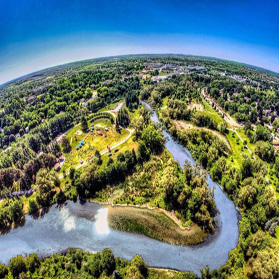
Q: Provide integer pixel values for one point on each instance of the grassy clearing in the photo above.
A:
(269, 92)
(163, 73)
(277, 233)
(89, 66)
(133, 114)
(111, 106)
(128, 145)
(92, 142)
(237, 148)
(195, 106)
(165, 101)
(154, 224)
(209, 111)
(245, 137)
(156, 273)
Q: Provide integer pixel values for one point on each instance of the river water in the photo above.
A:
(85, 227)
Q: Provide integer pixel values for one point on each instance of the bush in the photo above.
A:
(33, 207)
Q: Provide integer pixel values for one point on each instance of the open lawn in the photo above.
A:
(154, 224)
(92, 142)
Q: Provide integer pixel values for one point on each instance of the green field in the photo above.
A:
(245, 137)
(92, 142)
(209, 111)
(237, 148)
(162, 73)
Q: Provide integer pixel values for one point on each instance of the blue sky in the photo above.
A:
(39, 34)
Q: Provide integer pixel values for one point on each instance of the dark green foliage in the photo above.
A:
(17, 265)
(3, 271)
(122, 118)
(107, 263)
(78, 264)
(33, 206)
(66, 145)
(153, 139)
(32, 262)
(100, 115)
(132, 100)
(11, 212)
(84, 124)
(265, 151)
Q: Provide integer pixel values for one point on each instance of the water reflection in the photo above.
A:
(101, 223)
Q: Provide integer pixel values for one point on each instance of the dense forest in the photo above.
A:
(193, 97)
(79, 264)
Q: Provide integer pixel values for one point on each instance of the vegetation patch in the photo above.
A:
(154, 224)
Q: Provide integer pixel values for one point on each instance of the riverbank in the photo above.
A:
(154, 224)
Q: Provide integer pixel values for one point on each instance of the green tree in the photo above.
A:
(153, 139)
(133, 273)
(138, 262)
(32, 262)
(107, 262)
(66, 145)
(84, 124)
(33, 206)
(17, 265)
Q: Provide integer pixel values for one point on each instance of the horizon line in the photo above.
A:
(138, 54)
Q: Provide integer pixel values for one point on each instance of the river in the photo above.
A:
(85, 226)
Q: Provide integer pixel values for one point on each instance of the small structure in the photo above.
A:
(100, 133)
(276, 145)
(105, 135)
(82, 142)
